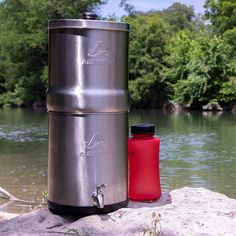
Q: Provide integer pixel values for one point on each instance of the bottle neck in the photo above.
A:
(142, 136)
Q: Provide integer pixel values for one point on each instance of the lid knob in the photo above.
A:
(90, 15)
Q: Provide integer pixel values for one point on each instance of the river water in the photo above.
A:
(198, 149)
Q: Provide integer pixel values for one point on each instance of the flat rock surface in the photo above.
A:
(182, 212)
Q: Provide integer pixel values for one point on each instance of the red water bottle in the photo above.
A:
(143, 156)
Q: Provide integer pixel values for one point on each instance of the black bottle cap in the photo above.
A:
(90, 15)
(143, 129)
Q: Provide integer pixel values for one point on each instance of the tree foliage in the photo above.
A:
(148, 37)
(221, 13)
(200, 70)
(186, 61)
(23, 45)
(179, 16)
(174, 54)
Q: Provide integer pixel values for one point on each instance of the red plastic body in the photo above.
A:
(143, 158)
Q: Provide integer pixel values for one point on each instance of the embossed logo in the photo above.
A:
(99, 55)
(95, 147)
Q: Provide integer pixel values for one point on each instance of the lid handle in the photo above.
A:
(90, 15)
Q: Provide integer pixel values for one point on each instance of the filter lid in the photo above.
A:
(89, 22)
(143, 129)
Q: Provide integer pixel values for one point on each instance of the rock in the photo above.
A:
(186, 211)
(172, 106)
(212, 107)
(234, 107)
(7, 216)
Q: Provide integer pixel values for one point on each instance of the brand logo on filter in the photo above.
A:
(95, 147)
(99, 55)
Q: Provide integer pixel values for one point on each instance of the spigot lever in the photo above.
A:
(98, 196)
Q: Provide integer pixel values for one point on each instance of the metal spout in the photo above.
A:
(98, 196)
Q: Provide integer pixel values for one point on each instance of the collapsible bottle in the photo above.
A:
(143, 156)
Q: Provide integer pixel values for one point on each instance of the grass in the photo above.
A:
(40, 203)
(155, 228)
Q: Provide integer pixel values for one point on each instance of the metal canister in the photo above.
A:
(87, 103)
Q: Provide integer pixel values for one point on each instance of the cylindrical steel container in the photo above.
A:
(87, 102)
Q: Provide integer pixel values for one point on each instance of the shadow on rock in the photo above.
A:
(162, 201)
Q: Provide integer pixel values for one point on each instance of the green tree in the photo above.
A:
(221, 13)
(179, 16)
(200, 70)
(23, 45)
(128, 7)
(178, 57)
(148, 37)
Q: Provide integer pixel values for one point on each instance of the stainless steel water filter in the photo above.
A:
(87, 102)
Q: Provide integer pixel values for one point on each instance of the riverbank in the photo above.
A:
(185, 211)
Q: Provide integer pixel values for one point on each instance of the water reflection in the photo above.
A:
(23, 155)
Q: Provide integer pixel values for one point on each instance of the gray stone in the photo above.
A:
(186, 211)
(212, 107)
(7, 216)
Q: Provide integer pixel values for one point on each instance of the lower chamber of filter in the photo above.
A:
(79, 210)
(86, 151)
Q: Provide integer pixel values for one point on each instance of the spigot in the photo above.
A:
(98, 196)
